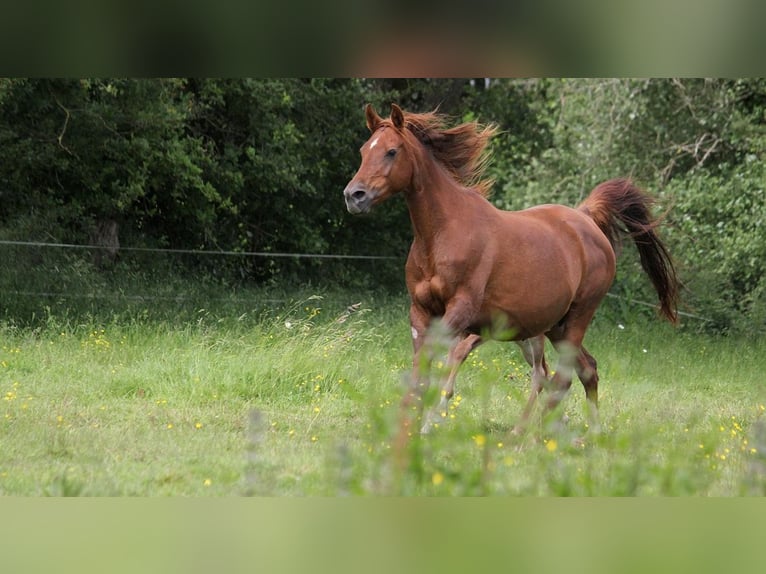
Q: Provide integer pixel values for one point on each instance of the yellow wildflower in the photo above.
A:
(551, 445)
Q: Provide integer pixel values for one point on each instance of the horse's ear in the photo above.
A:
(372, 117)
(397, 116)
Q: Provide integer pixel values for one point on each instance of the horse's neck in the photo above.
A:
(435, 204)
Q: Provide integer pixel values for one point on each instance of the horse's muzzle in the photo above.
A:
(358, 200)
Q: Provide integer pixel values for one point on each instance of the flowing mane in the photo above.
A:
(462, 150)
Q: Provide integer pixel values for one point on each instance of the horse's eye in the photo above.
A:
(391, 153)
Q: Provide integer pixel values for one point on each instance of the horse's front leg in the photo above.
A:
(459, 313)
(411, 407)
(534, 353)
(458, 353)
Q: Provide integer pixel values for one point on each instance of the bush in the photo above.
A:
(718, 227)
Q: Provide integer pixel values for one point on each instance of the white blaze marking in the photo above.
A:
(414, 333)
(374, 142)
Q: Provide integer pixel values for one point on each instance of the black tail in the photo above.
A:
(619, 207)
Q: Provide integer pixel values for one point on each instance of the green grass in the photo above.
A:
(301, 399)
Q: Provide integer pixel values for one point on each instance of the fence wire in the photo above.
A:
(179, 298)
(273, 254)
(39, 274)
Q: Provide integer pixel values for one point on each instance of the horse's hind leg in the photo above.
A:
(533, 350)
(567, 340)
(457, 355)
(567, 337)
(588, 374)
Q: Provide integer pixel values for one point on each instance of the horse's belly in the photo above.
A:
(506, 327)
(526, 314)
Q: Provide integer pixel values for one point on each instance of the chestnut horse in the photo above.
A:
(543, 270)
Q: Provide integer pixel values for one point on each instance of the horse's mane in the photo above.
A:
(461, 149)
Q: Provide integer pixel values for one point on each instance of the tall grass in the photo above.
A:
(300, 398)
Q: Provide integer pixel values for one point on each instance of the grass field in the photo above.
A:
(300, 398)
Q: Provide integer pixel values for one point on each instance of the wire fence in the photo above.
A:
(72, 290)
(39, 274)
(268, 254)
(656, 307)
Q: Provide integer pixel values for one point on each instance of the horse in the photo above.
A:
(543, 270)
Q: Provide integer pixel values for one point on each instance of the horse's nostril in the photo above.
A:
(358, 194)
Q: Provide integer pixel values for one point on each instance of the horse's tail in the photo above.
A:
(617, 206)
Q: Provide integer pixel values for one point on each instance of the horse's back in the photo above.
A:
(562, 224)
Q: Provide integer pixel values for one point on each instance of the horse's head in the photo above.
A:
(386, 166)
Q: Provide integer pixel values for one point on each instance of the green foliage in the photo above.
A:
(718, 224)
(251, 165)
(79, 151)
